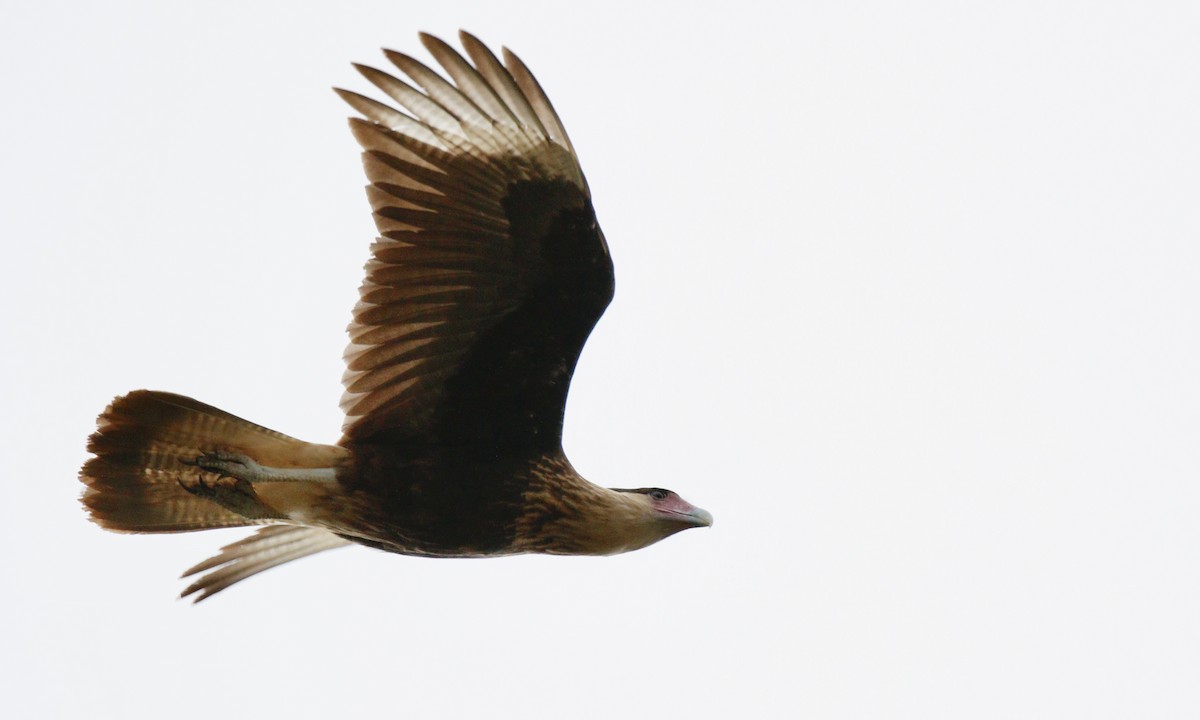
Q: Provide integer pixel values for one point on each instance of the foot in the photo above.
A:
(230, 465)
(230, 493)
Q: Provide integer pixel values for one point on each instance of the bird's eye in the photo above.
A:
(658, 494)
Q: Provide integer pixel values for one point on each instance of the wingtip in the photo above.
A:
(474, 46)
(194, 593)
(370, 128)
(397, 58)
(356, 100)
(516, 66)
(430, 41)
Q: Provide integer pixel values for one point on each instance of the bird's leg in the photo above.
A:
(242, 467)
(236, 474)
(230, 465)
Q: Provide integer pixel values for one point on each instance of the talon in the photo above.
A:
(232, 493)
(201, 484)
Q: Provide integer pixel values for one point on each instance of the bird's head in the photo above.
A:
(647, 515)
(667, 507)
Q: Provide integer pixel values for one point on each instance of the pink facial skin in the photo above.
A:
(679, 509)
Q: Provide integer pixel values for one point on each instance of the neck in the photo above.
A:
(571, 516)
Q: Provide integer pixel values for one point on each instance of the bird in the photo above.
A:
(487, 276)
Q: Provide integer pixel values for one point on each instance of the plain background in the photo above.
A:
(907, 296)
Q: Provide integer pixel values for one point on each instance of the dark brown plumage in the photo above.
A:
(489, 273)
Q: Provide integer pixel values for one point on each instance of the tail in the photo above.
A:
(145, 451)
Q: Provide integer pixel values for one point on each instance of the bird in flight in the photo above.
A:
(488, 274)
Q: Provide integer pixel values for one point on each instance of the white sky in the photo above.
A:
(908, 297)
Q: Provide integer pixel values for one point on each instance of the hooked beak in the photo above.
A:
(701, 517)
(692, 516)
(679, 510)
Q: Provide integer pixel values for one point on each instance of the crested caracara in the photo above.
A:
(488, 274)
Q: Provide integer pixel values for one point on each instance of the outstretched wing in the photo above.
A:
(490, 271)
